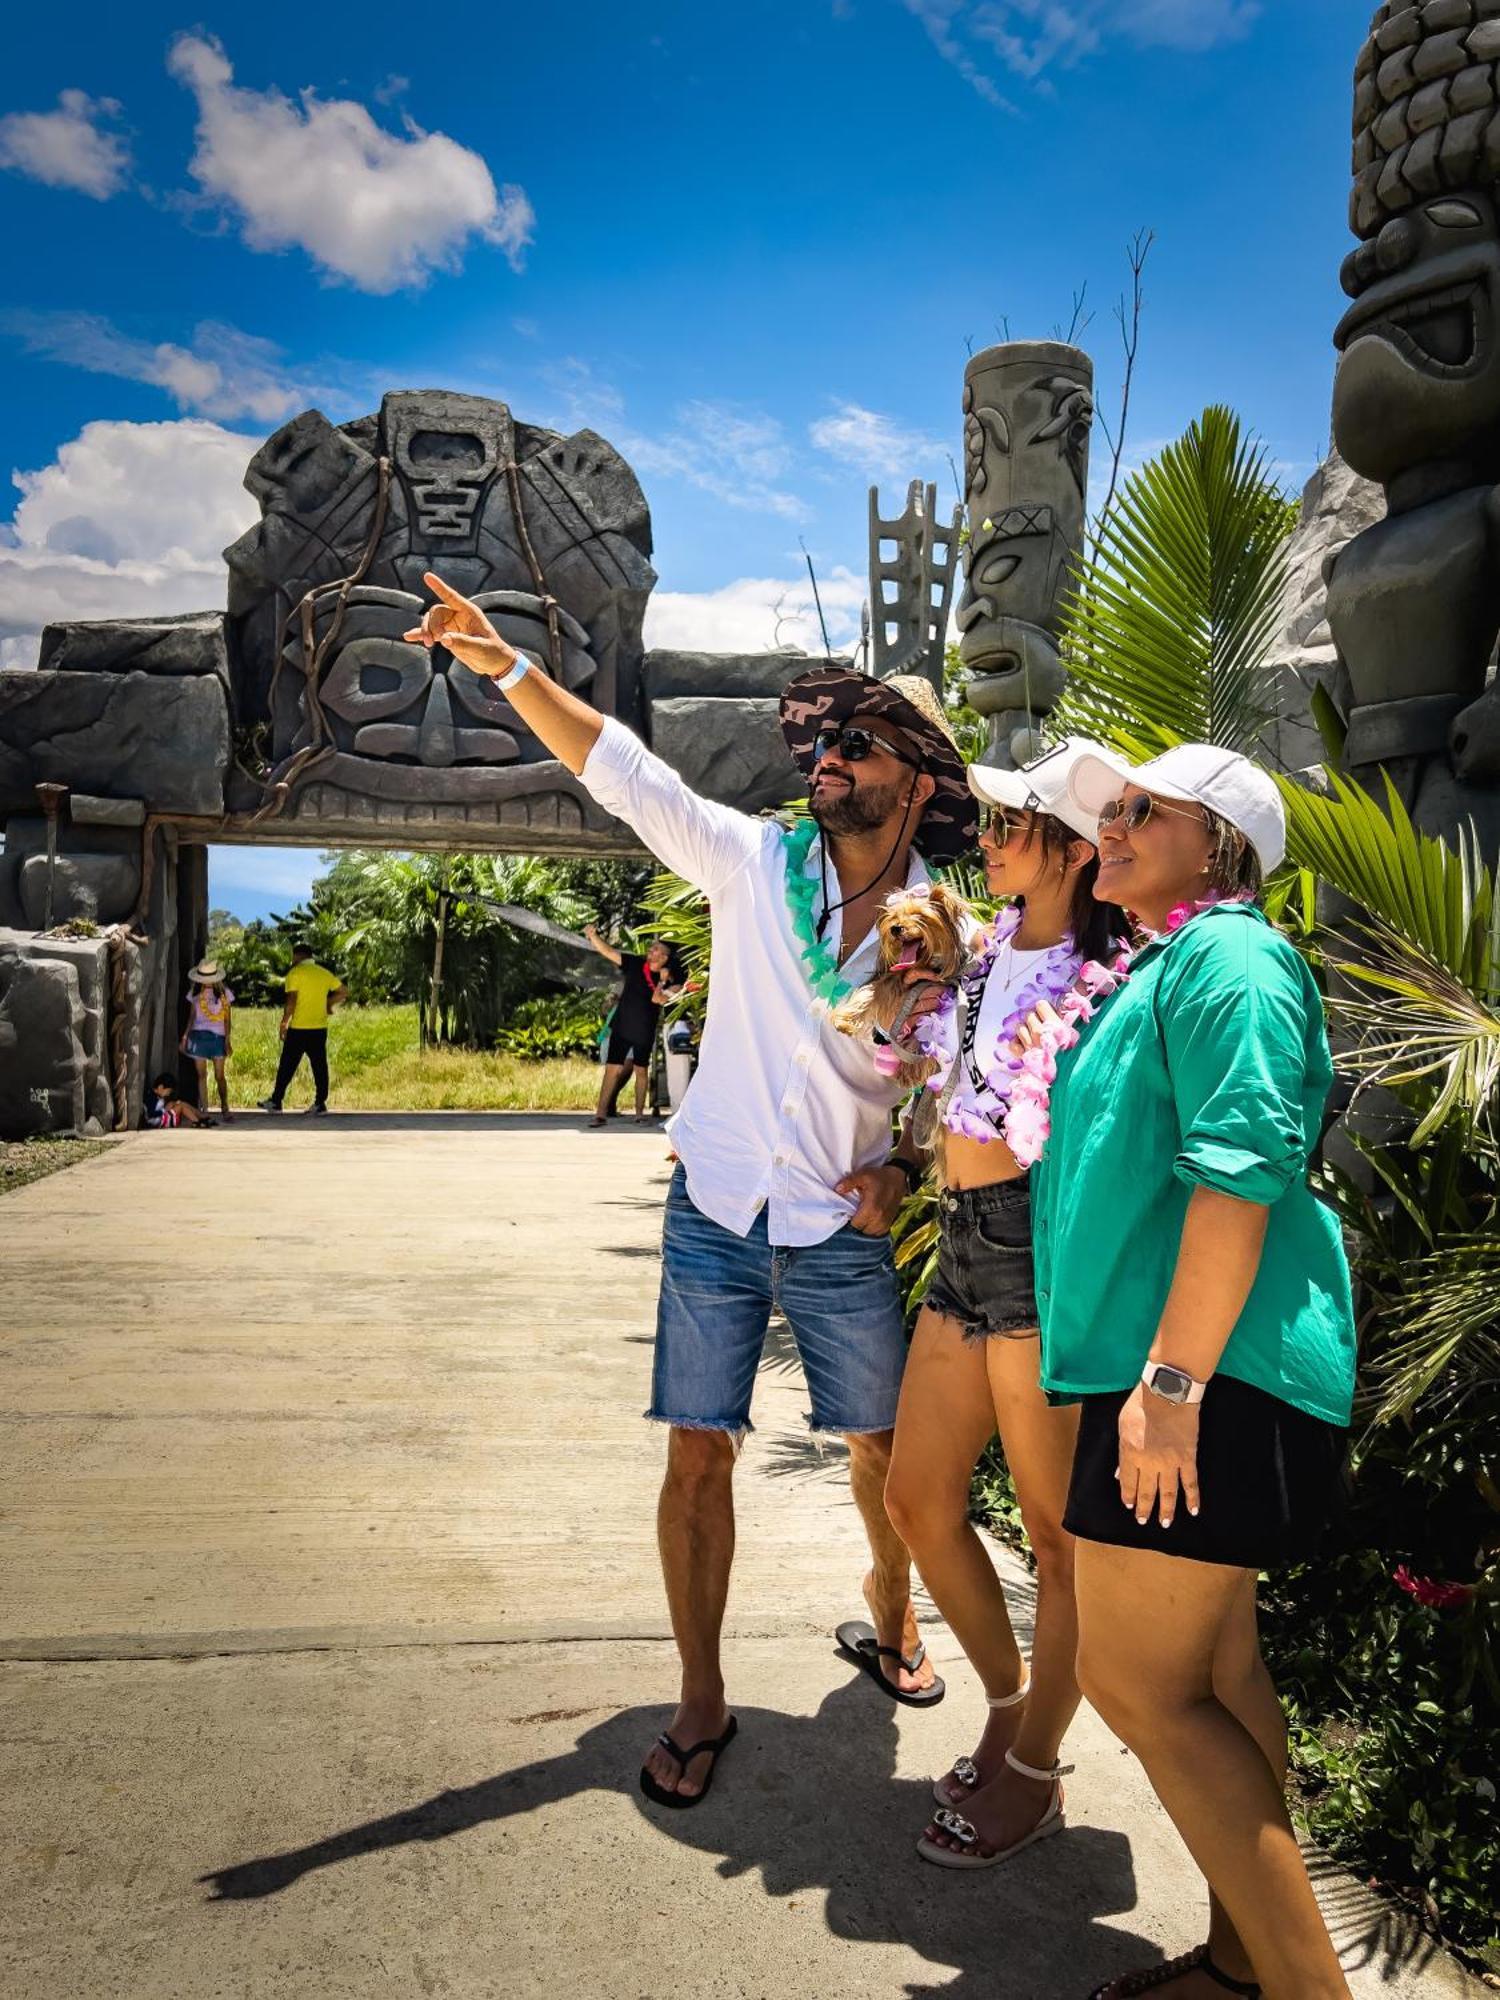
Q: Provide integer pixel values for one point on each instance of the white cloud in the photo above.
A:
(222, 373)
(1031, 37)
(66, 147)
(754, 614)
(128, 519)
(740, 456)
(874, 445)
(379, 209)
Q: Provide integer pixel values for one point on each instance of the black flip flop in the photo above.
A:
(1156, 1976)
(858, 1640)
(717, 1745)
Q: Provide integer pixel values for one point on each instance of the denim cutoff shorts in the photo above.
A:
(985, 1277)
(718, 1291)
(206, 1046)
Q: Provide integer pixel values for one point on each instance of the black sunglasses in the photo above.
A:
(1139, 810)
(854, 742)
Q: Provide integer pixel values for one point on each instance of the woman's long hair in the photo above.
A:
(1100, 930)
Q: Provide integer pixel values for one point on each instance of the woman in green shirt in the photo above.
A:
(1195, 1302)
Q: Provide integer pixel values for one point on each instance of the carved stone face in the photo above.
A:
(405, 722)
(1420, 375)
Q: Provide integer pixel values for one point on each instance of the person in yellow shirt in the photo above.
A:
(312, 993)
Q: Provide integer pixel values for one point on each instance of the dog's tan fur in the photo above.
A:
(930, 925)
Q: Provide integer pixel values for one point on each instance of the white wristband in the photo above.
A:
(518, 672)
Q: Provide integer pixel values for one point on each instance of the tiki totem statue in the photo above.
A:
(1028, 408)
(912, 588)
(1414, 601)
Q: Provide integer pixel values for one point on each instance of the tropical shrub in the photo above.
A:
(555, 1024)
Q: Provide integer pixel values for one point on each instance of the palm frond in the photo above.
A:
(1443, 1335)
(1438, 899)
(1168, 628)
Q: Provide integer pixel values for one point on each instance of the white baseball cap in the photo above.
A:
(1222, 780)
(1044, 785)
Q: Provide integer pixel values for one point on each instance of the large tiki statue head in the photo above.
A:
(1419, 379)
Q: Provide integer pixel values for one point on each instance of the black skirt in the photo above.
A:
(1270, 1479)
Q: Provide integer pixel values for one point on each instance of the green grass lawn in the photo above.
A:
(374, 1065)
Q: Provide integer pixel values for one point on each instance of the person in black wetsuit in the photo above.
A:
(632, 1035)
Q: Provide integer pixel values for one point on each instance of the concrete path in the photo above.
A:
(331, 1635)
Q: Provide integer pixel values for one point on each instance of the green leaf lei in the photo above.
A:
(818, 955)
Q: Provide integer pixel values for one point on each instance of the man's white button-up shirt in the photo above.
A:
(782, 1106)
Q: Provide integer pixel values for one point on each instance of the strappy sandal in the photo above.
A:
(1129, 1984)
(858, 1640)
(716, 1745)
(958, 1828)
(965, 1769)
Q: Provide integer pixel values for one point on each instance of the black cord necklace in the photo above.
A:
(831, 909)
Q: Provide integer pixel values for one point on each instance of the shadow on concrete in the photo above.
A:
(810, 1803)
(1365, 1930)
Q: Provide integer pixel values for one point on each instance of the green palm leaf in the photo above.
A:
(1169, 626)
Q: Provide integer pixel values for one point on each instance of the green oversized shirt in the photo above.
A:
(1209, 1067)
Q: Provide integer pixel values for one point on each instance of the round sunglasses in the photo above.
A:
(1134, 815)
(854, 743)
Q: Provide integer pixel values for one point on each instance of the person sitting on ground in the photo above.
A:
(209, 1034)
(165, 1110)
(312, 993)
(763, 1208)
(632, 1034)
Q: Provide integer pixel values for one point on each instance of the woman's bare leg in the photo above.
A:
(1038, 1442)
(223, 1082)
(1158, 1637)
(944, 1421)
(609, 1090)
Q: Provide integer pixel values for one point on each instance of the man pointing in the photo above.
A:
(763, 1210)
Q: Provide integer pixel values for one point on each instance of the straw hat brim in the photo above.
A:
(209, 973)
(949, 825)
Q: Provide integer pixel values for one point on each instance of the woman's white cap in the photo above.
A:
(1222, 780)
(1045, 785)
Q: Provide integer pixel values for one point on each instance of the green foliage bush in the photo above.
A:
(555, 1024)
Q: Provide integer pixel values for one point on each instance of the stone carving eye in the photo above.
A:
(1454, 215)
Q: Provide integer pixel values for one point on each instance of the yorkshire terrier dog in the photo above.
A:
(924, 930)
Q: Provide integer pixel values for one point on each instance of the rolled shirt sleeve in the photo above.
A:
(701, 841)
(1234, 1023)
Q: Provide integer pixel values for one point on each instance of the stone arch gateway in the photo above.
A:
(298, 717)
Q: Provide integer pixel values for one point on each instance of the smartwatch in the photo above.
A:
(1173, 1385)
(910, 1168)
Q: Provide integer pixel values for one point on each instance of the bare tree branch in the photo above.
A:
(1128, 313)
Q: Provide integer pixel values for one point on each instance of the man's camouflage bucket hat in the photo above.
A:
(949, 825)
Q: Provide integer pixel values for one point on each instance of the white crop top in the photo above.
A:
(1011, 971)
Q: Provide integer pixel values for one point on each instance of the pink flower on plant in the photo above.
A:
(1427, 1591)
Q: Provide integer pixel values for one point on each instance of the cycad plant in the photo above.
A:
(1169, 625)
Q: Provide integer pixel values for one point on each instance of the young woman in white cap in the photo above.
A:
(1195, 1308)
(208, 1037)
(973, 1362)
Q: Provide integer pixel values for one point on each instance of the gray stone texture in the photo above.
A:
(186, 642)
(1413, 600)
(732, 751)
(89, 960)
(1337, 505)
(98, 873)
(668, 674)
(163, 738)
(43, 1065)
(1028, 411)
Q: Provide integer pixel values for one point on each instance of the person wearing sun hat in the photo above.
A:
(208, 1036)
(785, 1188)
(1195, 1307)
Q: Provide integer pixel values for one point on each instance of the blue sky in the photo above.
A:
(749, 244)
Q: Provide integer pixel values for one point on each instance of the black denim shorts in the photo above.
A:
(985, 1278)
